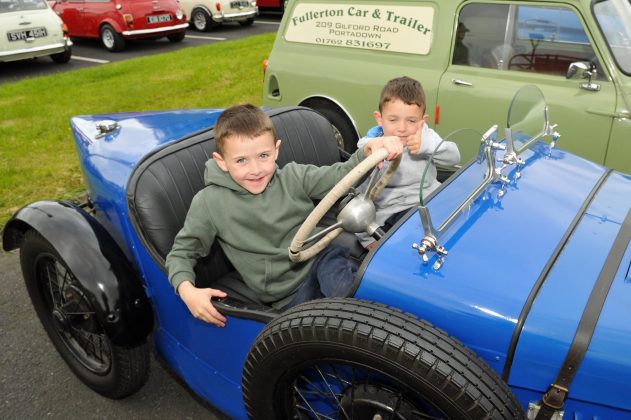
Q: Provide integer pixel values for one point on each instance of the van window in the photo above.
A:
(614, 19)
(515, 37)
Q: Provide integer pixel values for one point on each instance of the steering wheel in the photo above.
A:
(358, 215)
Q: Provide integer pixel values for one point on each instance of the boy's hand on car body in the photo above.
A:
(391, 143)
(198, 302)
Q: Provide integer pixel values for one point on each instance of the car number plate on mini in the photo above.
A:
(27, 34)
(159, 18)
(238, 4)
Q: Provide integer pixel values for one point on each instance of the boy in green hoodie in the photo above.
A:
(253, 209)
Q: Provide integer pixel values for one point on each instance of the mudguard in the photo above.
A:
(105, 274)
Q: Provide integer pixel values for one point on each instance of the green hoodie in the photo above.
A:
(254, 230)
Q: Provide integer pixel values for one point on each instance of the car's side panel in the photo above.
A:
(208, 358)
(554, 317)
(105, 274)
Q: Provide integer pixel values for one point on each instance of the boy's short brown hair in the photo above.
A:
(241, 120)
(404, 88)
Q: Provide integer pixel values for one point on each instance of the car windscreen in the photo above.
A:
(614, 19)
(7, 6)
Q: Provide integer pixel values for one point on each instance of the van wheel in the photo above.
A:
(201, 20)
(344, 358)
(62, 57)
(345, 133)
(71, 323)
(111, 39)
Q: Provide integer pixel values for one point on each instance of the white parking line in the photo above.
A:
(92, 60)
(267, 22)
(215, 38)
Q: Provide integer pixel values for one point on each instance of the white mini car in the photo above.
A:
(29, 28)
(205, 14)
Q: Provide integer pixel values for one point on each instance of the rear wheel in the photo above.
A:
(177, 37)
(62, 57)
(71, 323)
(344, 131)
(201, 20)
(343, 358)
(111, 39)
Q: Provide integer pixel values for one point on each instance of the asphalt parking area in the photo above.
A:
(90, 52)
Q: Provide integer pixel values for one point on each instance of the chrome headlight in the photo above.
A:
(179, 14)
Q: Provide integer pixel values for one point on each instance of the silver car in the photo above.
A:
(205, 14)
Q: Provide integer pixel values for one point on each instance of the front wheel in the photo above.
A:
(111, 39)
(345, 359)
(70, 321)
(177, 37)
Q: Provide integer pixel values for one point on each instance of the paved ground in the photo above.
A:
(90, 53)
(36, 384)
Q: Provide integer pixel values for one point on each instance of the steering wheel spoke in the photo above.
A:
(303, 246)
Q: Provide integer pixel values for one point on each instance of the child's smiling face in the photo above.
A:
(250, 161)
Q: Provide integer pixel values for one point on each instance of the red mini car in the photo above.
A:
(114, 21)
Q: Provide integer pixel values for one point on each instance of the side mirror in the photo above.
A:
(583, 70)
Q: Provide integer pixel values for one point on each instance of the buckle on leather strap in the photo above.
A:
(555, 396)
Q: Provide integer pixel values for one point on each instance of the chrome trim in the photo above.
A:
(224, 16)
(37, 49)
(156, 30)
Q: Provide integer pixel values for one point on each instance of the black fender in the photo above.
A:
(104, 272)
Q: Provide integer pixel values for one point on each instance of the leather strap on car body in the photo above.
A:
(555, 396)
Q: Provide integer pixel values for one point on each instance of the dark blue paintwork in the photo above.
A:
(497, 249)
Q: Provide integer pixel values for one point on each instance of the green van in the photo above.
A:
(471, 56)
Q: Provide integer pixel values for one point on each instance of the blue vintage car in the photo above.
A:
(504, 295)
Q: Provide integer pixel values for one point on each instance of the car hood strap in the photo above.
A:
(556, 394)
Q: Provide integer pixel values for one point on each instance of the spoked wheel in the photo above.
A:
(72, 325)
(350, 359)
(332, 389)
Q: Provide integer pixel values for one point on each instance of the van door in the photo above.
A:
(497, 48)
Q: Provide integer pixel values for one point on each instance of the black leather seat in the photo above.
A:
(162, 187)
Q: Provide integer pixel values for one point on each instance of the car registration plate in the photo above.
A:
(158, 18)
(238, 4)
(27, 34)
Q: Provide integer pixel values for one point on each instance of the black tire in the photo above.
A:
(177, 37)
(112, 371)
(62, 57)
(247, 22)
(344, 132)
(111, 39)
(344, 358)
(201, 20)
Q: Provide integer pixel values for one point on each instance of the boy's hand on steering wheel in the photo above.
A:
(391, 143)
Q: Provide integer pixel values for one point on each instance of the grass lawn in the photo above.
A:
(37, 153)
